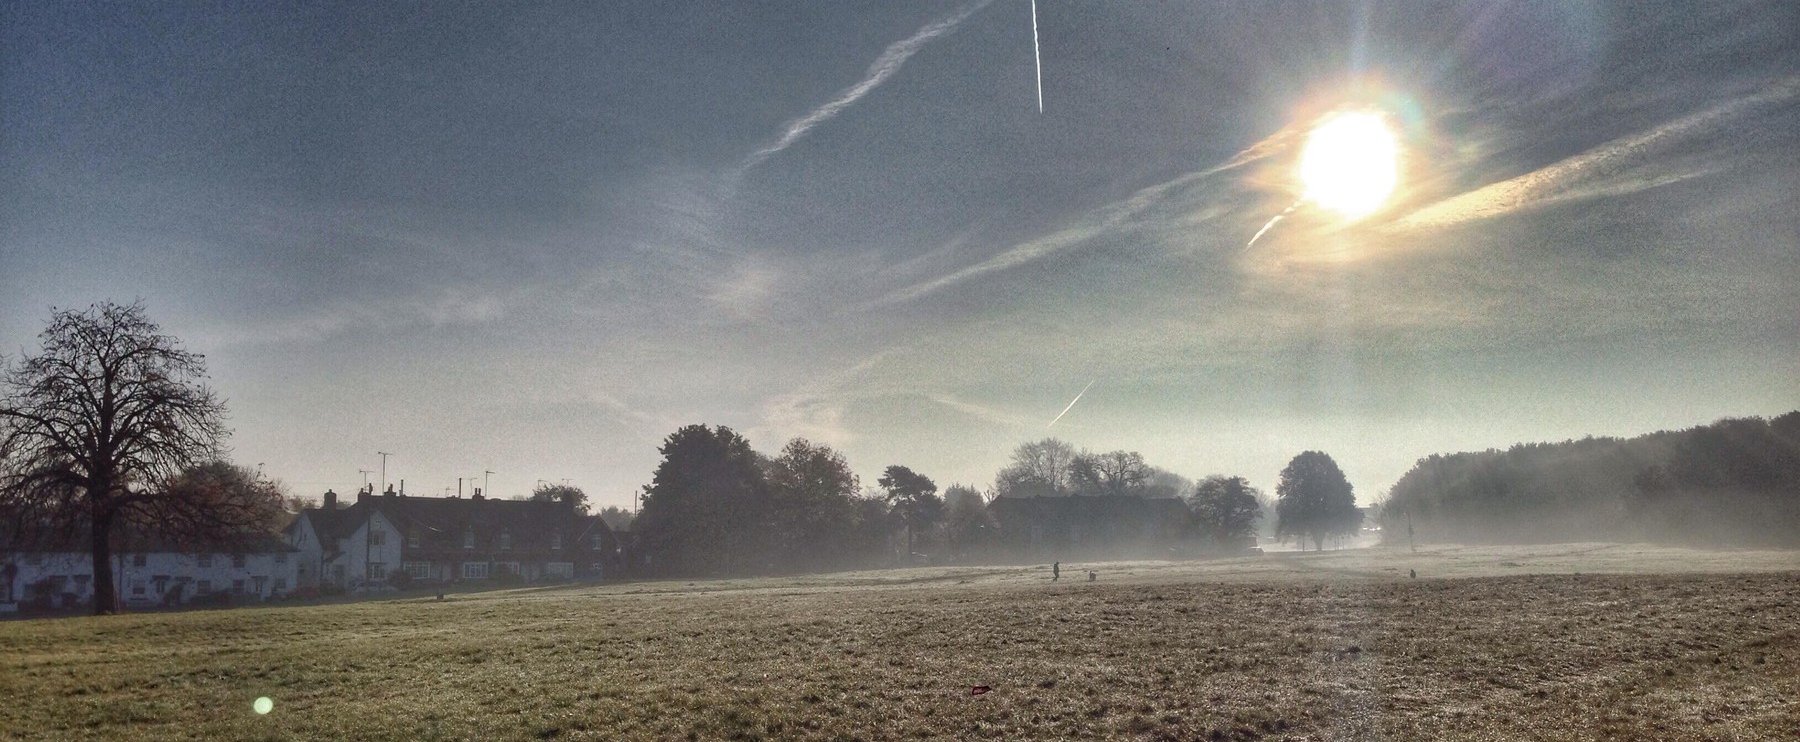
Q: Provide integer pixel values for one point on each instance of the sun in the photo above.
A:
(1350, 163)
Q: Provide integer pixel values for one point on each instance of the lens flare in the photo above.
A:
(1350, 163)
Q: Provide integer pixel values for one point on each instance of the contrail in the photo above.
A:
(1037, 56)
(883, 68)
(1071, 406)
(1271, 224)
(1548, 183)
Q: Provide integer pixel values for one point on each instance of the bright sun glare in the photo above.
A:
(1350, 163)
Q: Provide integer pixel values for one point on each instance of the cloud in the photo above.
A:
(883, 68)
(434, 309)
(983, 413)
(1575, 176)
(1106, 219)
(811, 416)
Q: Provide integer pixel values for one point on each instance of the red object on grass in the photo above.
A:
(978, 690)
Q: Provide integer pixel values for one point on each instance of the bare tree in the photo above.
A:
(96, 429)
(1039, 468)
(1110, 473)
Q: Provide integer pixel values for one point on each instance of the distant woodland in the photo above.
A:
(1734, 482)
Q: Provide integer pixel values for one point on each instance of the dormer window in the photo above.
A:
(468, 538)
(505, 540)
(555, 541)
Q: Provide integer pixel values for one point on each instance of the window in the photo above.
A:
(418, 570)
(137, 587)
(412, 538)
(468, 538)
(260, 582)
(556, 541)
(205, 560)
(377, 571)
(505, 540)
(281, 557)
(594, 542)
(237, 560)
(377, 537)
(281, 584)
(138, 560)
(475, 570)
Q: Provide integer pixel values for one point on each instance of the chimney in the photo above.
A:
(330, 500)
(363, 494)
(477, 494)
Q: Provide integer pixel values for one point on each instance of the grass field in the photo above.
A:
(1557, 642)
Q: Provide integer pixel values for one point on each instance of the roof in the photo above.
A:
(442, 521)
(128, 539)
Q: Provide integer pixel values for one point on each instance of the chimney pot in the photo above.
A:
(330, 500)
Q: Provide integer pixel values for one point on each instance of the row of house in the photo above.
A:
(374, 540)
(392, 538)
(147, 573)
(378, 538)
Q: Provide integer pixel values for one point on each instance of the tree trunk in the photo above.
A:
(1318, 543)
(106, 598)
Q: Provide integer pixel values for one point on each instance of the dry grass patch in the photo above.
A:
(1279, 648)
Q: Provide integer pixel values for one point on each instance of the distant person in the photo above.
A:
(1055, 571)
(1092, 575)
(1414, 573)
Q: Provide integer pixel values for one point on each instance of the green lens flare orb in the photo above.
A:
(263, 705)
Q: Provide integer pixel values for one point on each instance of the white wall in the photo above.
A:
(376, 541)
(261, 576)
(310, 557)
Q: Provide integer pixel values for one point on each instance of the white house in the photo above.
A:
(447, 539)
(147, 575)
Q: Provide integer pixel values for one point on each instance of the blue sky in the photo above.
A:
(536, 239)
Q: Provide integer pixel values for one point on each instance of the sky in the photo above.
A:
(535, 239)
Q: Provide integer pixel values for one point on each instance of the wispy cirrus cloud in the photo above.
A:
(1596, 172)
(430, 309)
(1107, 219)
(884, 67)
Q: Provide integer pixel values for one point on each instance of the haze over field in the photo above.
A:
(1489, 643)
(536, 241)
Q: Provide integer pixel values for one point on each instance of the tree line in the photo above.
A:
(717, 506)
(1735, 481)
(110, 432)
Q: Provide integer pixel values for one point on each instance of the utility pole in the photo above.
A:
(384, 456)
(484, 482)
(365, 473)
